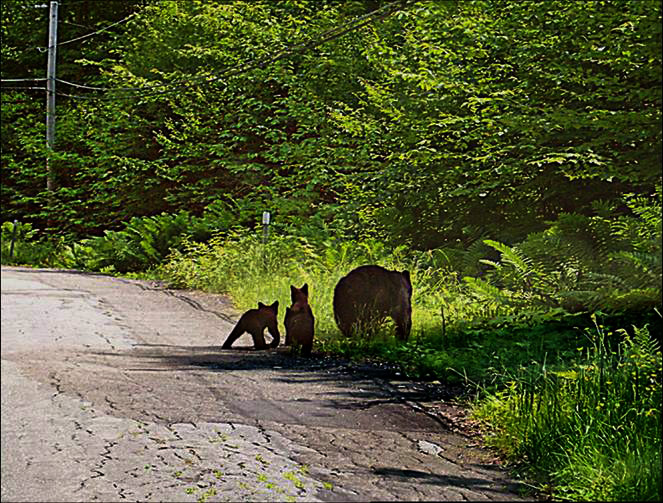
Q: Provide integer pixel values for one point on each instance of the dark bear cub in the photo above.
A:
(368, 295)
(254, 322)
(299, 321)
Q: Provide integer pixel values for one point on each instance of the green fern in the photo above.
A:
(602, 262)
(485, 290)
(510, 255)
(470, 257)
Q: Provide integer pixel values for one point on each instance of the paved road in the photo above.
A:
(117, 390)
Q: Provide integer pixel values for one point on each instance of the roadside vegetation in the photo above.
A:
(563, 367)
(507, 154)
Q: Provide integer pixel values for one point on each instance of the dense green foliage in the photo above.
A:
(413, 128)
(507, 153)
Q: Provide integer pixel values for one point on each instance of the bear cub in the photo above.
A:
(299, 321)
(254, 322)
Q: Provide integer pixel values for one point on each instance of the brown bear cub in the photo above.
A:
(368, 295)
(299, 321)
(254, 322)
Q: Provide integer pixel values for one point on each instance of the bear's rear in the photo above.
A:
(368, 295)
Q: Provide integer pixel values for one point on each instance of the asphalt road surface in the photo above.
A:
(118, 390)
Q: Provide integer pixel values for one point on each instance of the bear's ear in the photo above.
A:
(261, 305)
(304, 289)
(275, 306)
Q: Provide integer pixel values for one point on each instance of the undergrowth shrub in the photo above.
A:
(248, 270)
(450, 329)
(581, 263)
(30, 247)
(143, 243)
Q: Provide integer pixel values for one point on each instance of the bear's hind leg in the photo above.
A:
(232, 337)
(258, 339)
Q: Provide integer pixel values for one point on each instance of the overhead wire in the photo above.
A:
(26, 79)
(13, 88)
(98, 31)
(4, 88)
(20, 88)
(88, 35)
(176, 86)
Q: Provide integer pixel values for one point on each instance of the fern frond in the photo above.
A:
(495, 265)
(471, 256)
(485, 290)
(509, 255)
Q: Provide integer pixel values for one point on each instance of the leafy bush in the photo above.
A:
(29, 247)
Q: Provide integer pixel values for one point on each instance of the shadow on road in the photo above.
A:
(316, 370)
(422, 477)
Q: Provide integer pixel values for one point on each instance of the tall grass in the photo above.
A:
(594, 428)
(249, 271)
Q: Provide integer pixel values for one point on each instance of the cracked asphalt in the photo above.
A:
(118, 390)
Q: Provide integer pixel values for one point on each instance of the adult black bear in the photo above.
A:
(254, 322)
(368, 295)
(299, 321)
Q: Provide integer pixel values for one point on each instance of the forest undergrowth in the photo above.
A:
(571, 400)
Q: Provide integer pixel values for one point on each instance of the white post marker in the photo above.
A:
(265, 226)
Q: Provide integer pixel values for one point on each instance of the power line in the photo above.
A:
(36, 79)
(328, 35)
(175, 86)
(14, 88)
(98, 31)
(94, 88)
(331, 34)
(82, 37)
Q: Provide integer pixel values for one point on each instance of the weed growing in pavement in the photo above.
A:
(292, 477)
(207, 494)
(262, 460)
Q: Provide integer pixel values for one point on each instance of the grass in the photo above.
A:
(443, 345)
(585, 423)
(593, 430)
(30, 253)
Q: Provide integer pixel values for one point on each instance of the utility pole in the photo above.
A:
(50, 94)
